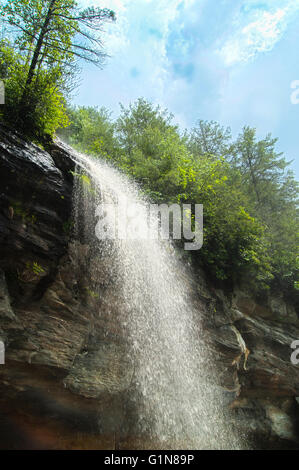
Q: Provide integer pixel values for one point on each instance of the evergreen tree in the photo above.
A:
(261, 166)
(209, 138)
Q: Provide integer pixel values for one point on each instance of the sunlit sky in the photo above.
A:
(232, 61)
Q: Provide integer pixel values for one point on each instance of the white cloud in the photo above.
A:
(188, 56)
(259, 35)
(137, 43)
(115, 37)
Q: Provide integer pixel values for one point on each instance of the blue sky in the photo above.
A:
(232, 61)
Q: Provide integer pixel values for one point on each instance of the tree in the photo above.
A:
(91, 130)
(51, 35)
(209, 138)
(56, 30)
(273, 193)
(138, 117)
(152, 147)
(260, 165)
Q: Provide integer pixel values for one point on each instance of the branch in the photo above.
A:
(99, 55)
(91, 16)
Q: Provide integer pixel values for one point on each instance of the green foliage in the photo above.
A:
(32, 271)
(85, 182)
(22, 212)
(67, 226)
(273, 195)
(91, 293)
(233, 239)
(37, 269)
(259, 164)
(45, 108)
(152, 149)
(39, 66)
(91, 131)
(244, 237)
(209, 138)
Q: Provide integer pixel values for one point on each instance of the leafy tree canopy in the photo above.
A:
(250, 196)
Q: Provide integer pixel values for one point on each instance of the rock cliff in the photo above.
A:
(65, 382)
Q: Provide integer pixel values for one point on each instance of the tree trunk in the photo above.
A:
(38, 48)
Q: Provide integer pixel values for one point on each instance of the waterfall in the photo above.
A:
(176, 404)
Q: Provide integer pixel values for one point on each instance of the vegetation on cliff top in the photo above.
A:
(250, 196)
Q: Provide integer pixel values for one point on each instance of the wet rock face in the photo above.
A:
(66, 375)
(55, 364)
(251, 343)
(35, 206)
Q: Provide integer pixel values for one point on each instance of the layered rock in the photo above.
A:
(61, 383)
(251, 343)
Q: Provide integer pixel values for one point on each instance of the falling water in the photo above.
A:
(176, 404)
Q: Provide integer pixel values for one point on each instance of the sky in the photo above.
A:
(232, 61)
